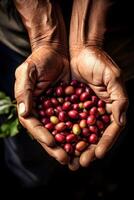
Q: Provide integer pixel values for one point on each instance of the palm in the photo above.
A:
(50, 66)
(97, 69)
(43, 67)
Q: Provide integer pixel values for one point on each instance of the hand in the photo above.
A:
(93, 66)
(43, 67)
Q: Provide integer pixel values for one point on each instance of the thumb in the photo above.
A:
(24, 85)
(119, 102)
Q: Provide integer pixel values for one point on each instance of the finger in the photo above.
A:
(109, 108)
(56, 152)
(36, 129)
(24, 86)
(87, 156)
(120, 101)
(119, 108)
(108, 139)
(74, 164)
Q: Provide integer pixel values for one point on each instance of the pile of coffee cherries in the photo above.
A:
(73, 114)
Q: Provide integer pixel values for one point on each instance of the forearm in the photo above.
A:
(44, 23)
(88, 22)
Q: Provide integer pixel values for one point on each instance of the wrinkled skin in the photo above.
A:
(93, 66)
(43, 67)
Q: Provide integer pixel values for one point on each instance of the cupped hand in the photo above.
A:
(42, 68)
(93, 66)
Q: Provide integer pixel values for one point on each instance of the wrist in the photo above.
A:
(56, 46)
(44, 23)
(49, 45)
(75, 49)
(88, 23)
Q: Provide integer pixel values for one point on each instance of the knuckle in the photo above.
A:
(22, 68)
(118, 73)
(19, 94)
(62, 158)
(18, 71)
(21, 121)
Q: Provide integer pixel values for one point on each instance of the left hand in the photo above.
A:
(43, 67)
(93, 66)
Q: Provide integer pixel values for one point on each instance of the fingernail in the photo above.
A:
(21, 109)
(123, 118)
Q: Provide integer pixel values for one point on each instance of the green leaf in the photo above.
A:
(14, 127)
(9, 128)
(2, 95)
(6, 101)
(5, 109)
(5, 104)
(11, 125)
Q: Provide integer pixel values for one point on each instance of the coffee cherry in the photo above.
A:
(60, 100)
(81, 106)
(83, 85)
(60, 138)
(83, 123)
(74, 98)
(101, 111)
(93, 129)
(66, 106)
(67, 98)
(81, 145)
(83, 115)
(42, 113)
(69, 90)
(54, 119)
(93, 138)
(94, 111)
(54, 132)
(79, 91)
(106, 118)
(94, 99)
(47, 104)
(74, 83)
(76, 129)
(69, 125)
(59, 91)
(54, 101)
(87, 104)
(59, 109)
(62, 116)
(84, 96)
(61, 126)
(91, 120)
(75, 106)
(100, 124)
(49, 126)
(73, 114)
(70, 138)
(101, 103)
(68, 148)
(45, 120)
(85, 132)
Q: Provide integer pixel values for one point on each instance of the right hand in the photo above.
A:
(92, 65)
(43, 67)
